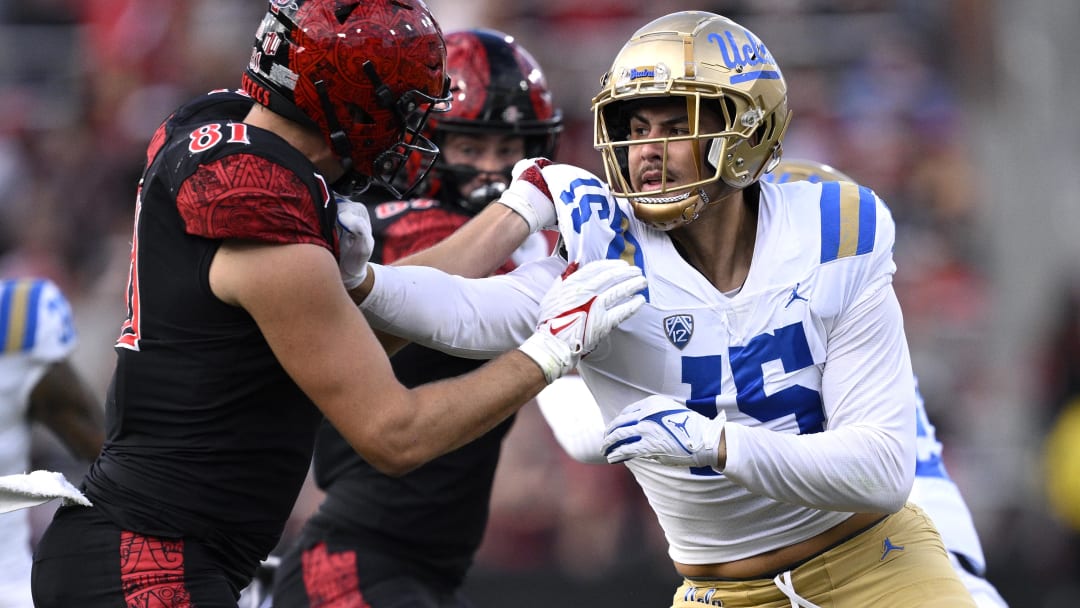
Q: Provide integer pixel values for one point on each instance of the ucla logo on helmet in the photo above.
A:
(749, 54)
(750, 60)
(679, 329)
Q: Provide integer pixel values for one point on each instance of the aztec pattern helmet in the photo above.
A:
(798, 169)
(365, 74)
(496, 87)
(715, 64)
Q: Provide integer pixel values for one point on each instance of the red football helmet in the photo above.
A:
(496, 87)
(365, 74)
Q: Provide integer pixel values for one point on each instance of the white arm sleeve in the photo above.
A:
(865, 459)
(472, 318)
(574, 418)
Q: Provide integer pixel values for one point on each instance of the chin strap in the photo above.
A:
(338, 139)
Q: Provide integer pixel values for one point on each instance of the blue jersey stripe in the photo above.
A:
(830, 221)
(931, 467)
(32, 308)
(867, 220)
(848, 220)
(7, 292)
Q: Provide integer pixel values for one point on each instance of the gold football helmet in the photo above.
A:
(715, 64)
(798, 169)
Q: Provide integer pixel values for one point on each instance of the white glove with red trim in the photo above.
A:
(355, 241)
(666, 431)
(579, 310)
(529, 196)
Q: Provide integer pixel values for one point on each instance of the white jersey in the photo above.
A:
(813, 342)
(36, 330)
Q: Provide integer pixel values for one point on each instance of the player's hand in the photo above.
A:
(666, 431)
(529, 196)
(579, 310)
(355, 241)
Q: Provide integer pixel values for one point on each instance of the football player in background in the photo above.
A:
(38, 384)
(378, 540)
(763, 398)
(241, 334)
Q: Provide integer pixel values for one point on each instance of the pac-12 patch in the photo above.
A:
(679, 329)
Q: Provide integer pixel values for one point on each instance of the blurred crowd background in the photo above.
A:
(957, 112)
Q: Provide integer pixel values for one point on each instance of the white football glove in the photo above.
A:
(355, 241)
(579, 310)
(529, 196)
(665, 431)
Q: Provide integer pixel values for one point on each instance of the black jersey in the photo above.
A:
(207, 436)
(434, 516)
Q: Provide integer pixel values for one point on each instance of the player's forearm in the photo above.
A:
(478, 248)
(574, 417)
(850, 469)
(475, 250)
(64, 404)
(474, 318)
(446, 415)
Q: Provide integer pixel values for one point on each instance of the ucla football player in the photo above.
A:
(763, 397)
(38, 384)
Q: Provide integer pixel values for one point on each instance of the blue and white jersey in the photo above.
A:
(940, 497)
(36, 330)
(812, 342)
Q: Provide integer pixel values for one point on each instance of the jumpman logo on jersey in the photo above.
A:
(889, 548)
(795, 296)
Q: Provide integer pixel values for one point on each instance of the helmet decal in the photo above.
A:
(749, 62)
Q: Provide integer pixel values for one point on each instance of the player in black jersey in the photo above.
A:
(383, 541)
(240, 337)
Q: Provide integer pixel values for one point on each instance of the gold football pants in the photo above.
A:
(900, 562)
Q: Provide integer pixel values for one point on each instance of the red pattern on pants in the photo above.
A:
(152, 572)
(330, 579)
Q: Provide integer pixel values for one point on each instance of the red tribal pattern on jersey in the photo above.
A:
(249, 197)
(152, 572)
(331, 580)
